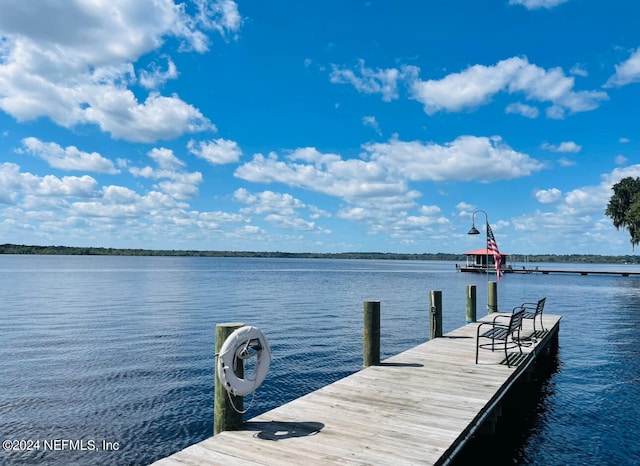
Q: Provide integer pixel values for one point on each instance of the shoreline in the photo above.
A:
(441, 256)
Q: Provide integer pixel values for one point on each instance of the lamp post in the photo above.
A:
(474, 231)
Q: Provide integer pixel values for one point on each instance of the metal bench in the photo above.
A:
(506, 333)
(533, 311)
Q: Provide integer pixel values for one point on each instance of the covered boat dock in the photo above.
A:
(481, 260)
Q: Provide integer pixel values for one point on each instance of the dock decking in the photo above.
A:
(580, 272)
(418, 407)
(537, 270)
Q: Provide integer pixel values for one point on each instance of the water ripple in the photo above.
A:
(122, 349)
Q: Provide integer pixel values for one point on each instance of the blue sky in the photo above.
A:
(317, 126)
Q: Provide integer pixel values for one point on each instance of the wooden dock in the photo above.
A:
(421, 406)
(579, 272)
(537, 270)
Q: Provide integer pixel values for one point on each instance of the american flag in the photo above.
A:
(492, 247)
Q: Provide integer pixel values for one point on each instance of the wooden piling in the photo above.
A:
(471, 303)
(435, 321)
(371, 334)
(492, 297)
(227, 408)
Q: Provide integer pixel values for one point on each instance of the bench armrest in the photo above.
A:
(501, 316)
(529, 305)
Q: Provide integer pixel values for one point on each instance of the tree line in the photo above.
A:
(97, 251)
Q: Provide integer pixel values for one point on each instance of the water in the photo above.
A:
(116, 354)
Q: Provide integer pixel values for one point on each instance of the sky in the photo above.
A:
(318, 126)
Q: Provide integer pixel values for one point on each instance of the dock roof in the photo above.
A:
(482, 252)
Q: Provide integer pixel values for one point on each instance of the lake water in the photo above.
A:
(109, 360)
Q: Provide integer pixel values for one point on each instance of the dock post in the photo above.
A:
(492, 297)
(226, 408)
(471, 303)
(435, 321)
(371, 334)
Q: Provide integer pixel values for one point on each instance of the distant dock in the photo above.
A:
(538, 270)
(421, 406)
(574, 272)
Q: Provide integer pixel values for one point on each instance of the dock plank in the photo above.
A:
(414, 408)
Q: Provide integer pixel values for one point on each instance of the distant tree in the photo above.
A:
(624, 207)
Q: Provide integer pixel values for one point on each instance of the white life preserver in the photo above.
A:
(244, 343)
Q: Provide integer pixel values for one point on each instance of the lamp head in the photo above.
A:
(473, 231)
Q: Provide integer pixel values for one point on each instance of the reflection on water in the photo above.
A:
(120, 349)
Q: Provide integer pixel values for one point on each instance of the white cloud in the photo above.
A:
(572, 232)
(387, 168)
(627, 72)
(429, 216)
(282, 210)
(371, 122)
(464, 209)
(565, 162)
(585, 201)
(118, 30)
(547, 196)
(76, 69)
(15, 185)
(619, 173)
(218, 151)
(121, 202)
(67, 186)
(458, 91)
(567, 146)
(523, 109)
(222, 16)
(10, 182)
(388, 215)
(267, 201)
(154, 77)
(369, 81)
(290, 222)
(578, 220)
(47, 208)
(117, 112)
(325, 173)
(372, 195)
(177, 183)
(579, 70)
(69, 158)
(466, 158)
(182, 186)
(318, 213)
(536, 4)
(477, 84)
(555, 112)
(165, 158)
(376, 189)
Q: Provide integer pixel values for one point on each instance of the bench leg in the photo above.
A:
(506, 356)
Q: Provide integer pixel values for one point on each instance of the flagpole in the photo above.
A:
(486, 244)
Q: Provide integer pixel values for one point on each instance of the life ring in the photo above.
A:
(244, 343)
